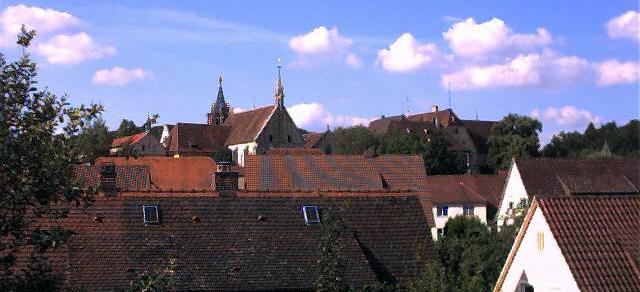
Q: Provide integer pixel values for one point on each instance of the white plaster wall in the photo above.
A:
(514, 191)
(546, 270)
(479, 210)
(238, 150)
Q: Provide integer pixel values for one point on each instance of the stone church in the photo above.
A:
(245, 133)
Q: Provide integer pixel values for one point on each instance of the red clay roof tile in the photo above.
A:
(599, 236)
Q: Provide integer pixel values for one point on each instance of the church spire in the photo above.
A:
(219, 108)
(279, 92)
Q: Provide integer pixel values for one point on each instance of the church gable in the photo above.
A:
(279, 132)
(246, 126)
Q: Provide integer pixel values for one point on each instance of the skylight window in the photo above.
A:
(150, 214)
(311, 215)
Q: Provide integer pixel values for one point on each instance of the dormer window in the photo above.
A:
(150, 215)
(311, 215)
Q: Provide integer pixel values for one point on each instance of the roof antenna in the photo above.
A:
(476, 114)
(449, 94)
(254, 102)
(408, 105)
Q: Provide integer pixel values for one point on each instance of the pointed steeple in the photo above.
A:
(279, 92)
(219, 108)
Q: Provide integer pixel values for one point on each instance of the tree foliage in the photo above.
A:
(353, 140)
(621, 141)
(127, 128)
(331, 264)
(36, 158)
(513, 136)
(93, 142)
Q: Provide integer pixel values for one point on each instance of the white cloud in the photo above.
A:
(322, 45)
(546, 70)
(353, 60)
(566, 116)
(468, 38)
(626, 25)
(613, 72)
(118, 76)
(319, 40)
(72, 49)
(44, 21)
(408, 54)
(314, 116)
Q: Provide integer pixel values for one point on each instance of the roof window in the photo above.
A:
(150, 215)
(311, 215)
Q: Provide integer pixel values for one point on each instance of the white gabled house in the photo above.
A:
(571, 244)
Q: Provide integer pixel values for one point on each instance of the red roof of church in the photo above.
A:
(246, 126)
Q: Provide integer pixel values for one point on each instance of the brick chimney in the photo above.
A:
(434, 108)
(225, 180)
(108, 177)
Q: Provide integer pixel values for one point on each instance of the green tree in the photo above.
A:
(127, 128)
(36, 163)
(621, 141)
(331, 264)
(399, 142)
(153, 281)
(353, 140)
(438, 159)
(93, 142)
(513, 136)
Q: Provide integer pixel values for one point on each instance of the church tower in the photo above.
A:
(279, 92)
(219, 109)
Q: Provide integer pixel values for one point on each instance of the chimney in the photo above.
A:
(108, 177)
(225, 180)
(434, 108)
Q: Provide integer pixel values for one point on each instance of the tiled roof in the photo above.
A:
(241, 243)
(311, 139)
(484, 188)
(400, 171)
(197, 138)
(334, 172)
(553, 177)
(479, 132)
(294, 151)
(445, 117)
(173, 174)
(599, 237)
(310, 172)
(129, 177)
(117, 142)
(246, 126)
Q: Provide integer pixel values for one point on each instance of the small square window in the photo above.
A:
(468, 210)
(150, 214)
(442, 211)
(311, 215)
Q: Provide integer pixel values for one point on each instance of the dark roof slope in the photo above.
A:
(221, 244)
(128, 177)
(552, 177)
(246, 126)
(485, 188)
(599, 237)
(197, 138)
(445, 117)
(173, 174)
(479, 132)
(311, 139)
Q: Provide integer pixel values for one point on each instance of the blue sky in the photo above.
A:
(344, 62)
